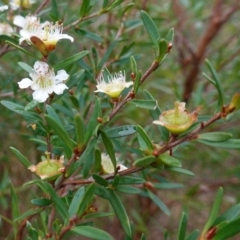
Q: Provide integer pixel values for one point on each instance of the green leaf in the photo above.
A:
(93, 122)
(28, 213)
(144, 137)
(120, 131)
(218, 83)
(14, 203)
(109, 147)
(113, 5)
(60, 206)
(60, 132)
(51, 112)
(84, 9)
(163, 45)
(80, 130)
(167, 185)
(71, 60)
(137, 81)
(100, 180)
(88, 34)
(54, 11)
(31, 105)
(170, 35)
(169, 160)
(26, 67)
(20, 110)
(133, 65)
(215, 136)
(182, 227)
(92, 232)
(155, 115)
(119, 211)
(228, 230)
(229, 215)
(107, 54)
(20, 157)
(127, 189)
(86, 200)
(158, 202)
(151, 29)
(194, 235)
(131, 180)
(145, 161)
(115, 181)
(214, 212)
(41, 202)
(229, 144)
(98, 215)
(179, 170)
(146, 104)
(76, 201)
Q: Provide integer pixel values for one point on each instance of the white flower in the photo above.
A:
(44, 81)
(115, 85)
(107, 164)
(15, 4)
(27, 23)
(48, 33)
(3, 8)
(5, 29)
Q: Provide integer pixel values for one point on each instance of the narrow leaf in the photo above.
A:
(131, 180)
(77, 198)
(182, 227)
(127, 189)
(120, 131)
(215, 136)
(109, 148)
(41, 202)
(151, 29)
(215, 209)
(100, 180)
(26, 67)
(51, 112)
(147, 104)
(229, 144)
(92, 232)
(20, 157)
(169, 160)
(80, 130)
(145, 161)
(71, 60)
(144, 137)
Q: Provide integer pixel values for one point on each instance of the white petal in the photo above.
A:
(40, 95)
(41, 67)
(158, 122)
(59, 88)
(61, 75)
(25, 83)
(19, 21)
(128, 84)
(65, 36)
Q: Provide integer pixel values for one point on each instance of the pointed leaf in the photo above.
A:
(76, 201)
(147, 104)
(80, 130)
(144, 137)
(127, 189)
(214, 212)
(71, 60)
(20, 157)
(182, 227)
(51, 112)
(109, 148)
(131, 180)
(215, 136)
(92, 232)
(100, 180)
(194, 235)
(229, 144)
(120, 131)
(151, 29)
(41, 202)
(145, 161)
(169, 160)
(26, 67)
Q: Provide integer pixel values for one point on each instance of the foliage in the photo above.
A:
(97, 125)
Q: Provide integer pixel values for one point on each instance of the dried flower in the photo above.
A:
(48, 168)
(177, 120)
(114, 86)
(44, 81)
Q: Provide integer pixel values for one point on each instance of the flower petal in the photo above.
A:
(41, 67)
(59, 88)
(65, 36)
(25, 83)
(40, 95)
(19, 21)
(61, 75)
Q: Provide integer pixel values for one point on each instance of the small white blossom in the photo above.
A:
(15, 4)
(27, 23)
(107, 165)
(44, 81)
(47, 32)
(5, 29)
(114, 86)
(3, 8)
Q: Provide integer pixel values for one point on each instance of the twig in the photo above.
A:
(42, 5)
